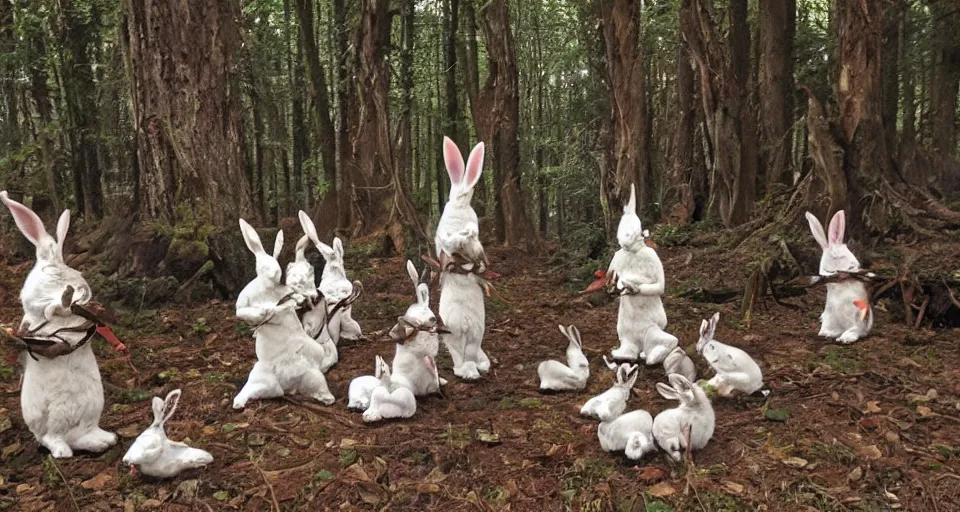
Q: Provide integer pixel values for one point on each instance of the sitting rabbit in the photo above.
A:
(157, 456)
(62, 394)
(361, 388)
(677, 361)
(418, 343)
(638, 274)
(847, 315)
(388, 400)
(631, 432)
(694, 412)
(458, 241)
(556, 376)
(736, 370)
(612, 402)
(287, 358)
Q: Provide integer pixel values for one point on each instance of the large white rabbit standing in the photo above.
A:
(462, 259)
(418, 340)
(61, 397)
(639, 277)
(158, 456)
(694, 412)
(843, 317)
(287, 358)
(556, 376)
(736, 370)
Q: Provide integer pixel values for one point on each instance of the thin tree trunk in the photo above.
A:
(451, 120)
(678, 199)
(890, 67)
(944, 88)
(405, 147)
(472, 83)
(778, 22)
(344, 192)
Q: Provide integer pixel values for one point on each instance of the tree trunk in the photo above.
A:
(405, 146)
(890, 67)
(184, 111)
(620, 25)
(382, 205)
(739, 41)
(344, 193)
(946, 55)
(778, 23)
(498, 120)
(472, 83)
(678, 197)
(451, 119)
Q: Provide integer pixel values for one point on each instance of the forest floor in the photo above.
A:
(872, 426)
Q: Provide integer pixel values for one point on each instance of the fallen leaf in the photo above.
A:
(148, 504)
(436, 475)
(925, 412)
(651, 473)
(209, 430)
(661, 490)
(915, 398)
(871, 422)
(870, 452)
(23, 489)
(187, 490)
(733, 487)
(128, 505)
(348, 443)
(11, 450)
(221, 495)
(427, 488)
(129, 432)
(255, 439)
(872, 407)
(779, 415)
(554, 448)
(488, 436)
(97, 482)
(855, 475)
(795, 462)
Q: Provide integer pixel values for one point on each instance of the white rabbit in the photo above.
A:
(611, 403)
(414, 364)
(61, 397)
(361, 388)
(639, 277)
(842, 317)
(334, 286)
(694, 411)
(458, 240)
(388, 401)
(677, 361)
(736, 370)
(557, 376)
(633, 429)
(287, 358)
(157, 456)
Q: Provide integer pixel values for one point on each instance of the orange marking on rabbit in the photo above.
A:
(864, 308)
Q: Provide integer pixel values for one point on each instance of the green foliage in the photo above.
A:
(200, 327)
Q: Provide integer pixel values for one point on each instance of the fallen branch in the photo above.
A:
(66, 484)
(273, 496)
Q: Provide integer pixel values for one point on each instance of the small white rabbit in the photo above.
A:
(157, 456)
(639, 276)
(61, 397)
(361, 388)
(736, 370)
(611, 403)
(843, 317)
(694, 411)
(287, 358)
(556, 376)
(334, 285)
(414, 364)
(461, 294)
(633, 429)
(677, 361)
(388, 401)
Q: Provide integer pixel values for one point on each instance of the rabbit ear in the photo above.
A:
(454, 161)
(634, 373)
(704, 329)
(563, 330)
(63, 225)
(325, 250)
(474, 166)
(429, 362)
(278, 244)
(412, 272)
(423, 293)
(170, 404)
(338, 247)
(376, 366)
(667, 392)
(157, 410)
(574, 335)
(838, 224)
(631, 206)
(28, 222)
(309, 228)
(817, 229)
(714, 322)
(251, 237)
(679, 382)
(621, 373)
(302, 247)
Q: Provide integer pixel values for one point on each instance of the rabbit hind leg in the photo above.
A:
(95, 440)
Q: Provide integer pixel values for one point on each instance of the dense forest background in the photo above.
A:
(721, 112)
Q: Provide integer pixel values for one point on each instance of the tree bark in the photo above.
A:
(472, 86)
(184, 110)
(405, 146)
(778, 22)
(344, 193)
(678, 196)
(451, 119)
(943, 91)
(498, 120)
(890, 67)
(620, 25)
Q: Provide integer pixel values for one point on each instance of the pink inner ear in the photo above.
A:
(475, 164)
(837, 225)
(429, 361)
(453, 160)
(28, 222)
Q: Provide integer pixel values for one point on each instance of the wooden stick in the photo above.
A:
(923, 309)
(273, 496)
(65, 483)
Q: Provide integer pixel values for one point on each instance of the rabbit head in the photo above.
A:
(575, 347)
(630, 231)
(459, 229)
(681, 389)
(627, 377)
(334, 284)
(149, 445)
(707, 330)
(49, 253)
(301, 277)
(419, 314)
(836, 256)
(639, 444)
(462, 178)
(268, 268)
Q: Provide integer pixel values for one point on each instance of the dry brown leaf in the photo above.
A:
(925, 412)
(97, 482)
(661, 490)
(427, 488)
(872, 407)
(651, 473)
(553, 450)
(870, 452)
(795, 462)
(732, 487)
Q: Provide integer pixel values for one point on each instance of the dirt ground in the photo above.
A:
(873, 426)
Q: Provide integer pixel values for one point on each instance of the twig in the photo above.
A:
(923, 309)
(953, 298)
(273, 496)
(65, 483)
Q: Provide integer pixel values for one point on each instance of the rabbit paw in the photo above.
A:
(848, 337)
(370, 415)
(625, 353)
(468, 371)
(57, 446)
(324, 398)
(96, 441)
